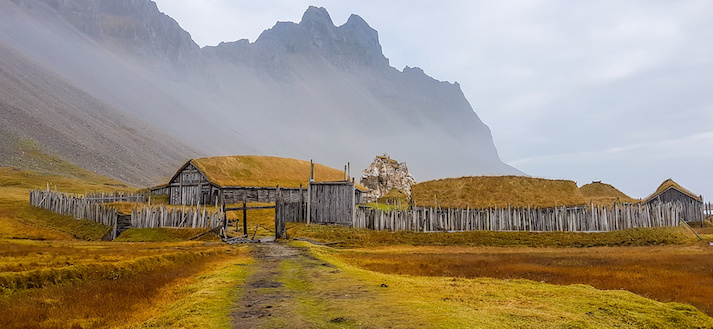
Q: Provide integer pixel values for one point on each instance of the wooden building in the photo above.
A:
(234, 179)
(671, 192)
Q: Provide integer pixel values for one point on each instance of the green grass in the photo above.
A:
(356, 238)
(164, 234)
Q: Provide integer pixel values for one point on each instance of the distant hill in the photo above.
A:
(500, 191)
(604, 194)
(121, 89)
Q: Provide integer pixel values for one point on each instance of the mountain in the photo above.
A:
(118, 87)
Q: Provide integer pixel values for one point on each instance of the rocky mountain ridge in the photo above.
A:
(308, 90)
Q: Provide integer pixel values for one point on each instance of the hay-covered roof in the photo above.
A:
(263, 171)
(500, 191)
(670, 184)
(604, 194)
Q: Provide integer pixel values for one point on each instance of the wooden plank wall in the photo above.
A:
(572, 219)
(331, 203)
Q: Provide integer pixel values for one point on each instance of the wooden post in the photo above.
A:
(353, 205)
(278, 215)
(225, 217)
(245, 218)
(302, 201)
(309, 201)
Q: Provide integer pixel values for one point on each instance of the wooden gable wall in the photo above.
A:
(190, 186)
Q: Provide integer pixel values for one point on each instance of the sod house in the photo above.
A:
(234, 179)
(670, 191)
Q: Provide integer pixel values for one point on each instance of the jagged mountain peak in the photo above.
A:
(321, 91)
(353, 43)
(315, 16)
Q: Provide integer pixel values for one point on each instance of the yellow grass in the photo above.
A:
(604, 194)
(107, 302)
(264, 171)
(447, 302)
(355, 238)
(501, 191)
(20, 220)
(664, 273)
(206, 301)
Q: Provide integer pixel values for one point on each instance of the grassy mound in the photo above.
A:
(395, 196)
(252, 170)
(604, 194)
(501, 191)
(356, 238)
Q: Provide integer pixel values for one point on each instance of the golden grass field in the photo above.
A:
(54, 273)
(665, 273)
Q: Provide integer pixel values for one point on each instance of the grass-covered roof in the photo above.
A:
(668, 184)
(500, 191)
(604, 194)
(263, 171)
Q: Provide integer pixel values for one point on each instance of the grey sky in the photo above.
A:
(618, 91)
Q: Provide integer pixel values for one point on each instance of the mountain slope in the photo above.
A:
(301, 90)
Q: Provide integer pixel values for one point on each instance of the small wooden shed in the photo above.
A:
(670, 191)
(690, 204)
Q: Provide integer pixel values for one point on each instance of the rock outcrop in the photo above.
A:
(385, 174)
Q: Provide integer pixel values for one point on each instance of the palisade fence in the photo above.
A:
(570, 219)
(146, 216)
(74, 205)
(162, 216)
(116, 196)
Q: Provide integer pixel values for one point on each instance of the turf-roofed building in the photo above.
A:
(670, 191)
(234, 179)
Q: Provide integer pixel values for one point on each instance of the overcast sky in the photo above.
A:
(617, 91)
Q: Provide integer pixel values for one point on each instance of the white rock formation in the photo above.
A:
(385, 174)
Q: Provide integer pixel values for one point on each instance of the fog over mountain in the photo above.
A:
(119, 88)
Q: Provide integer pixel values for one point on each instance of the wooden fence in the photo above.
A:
(104, 197)
(571, 219)
(142, 217)
(162, 216)
(75, 206)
